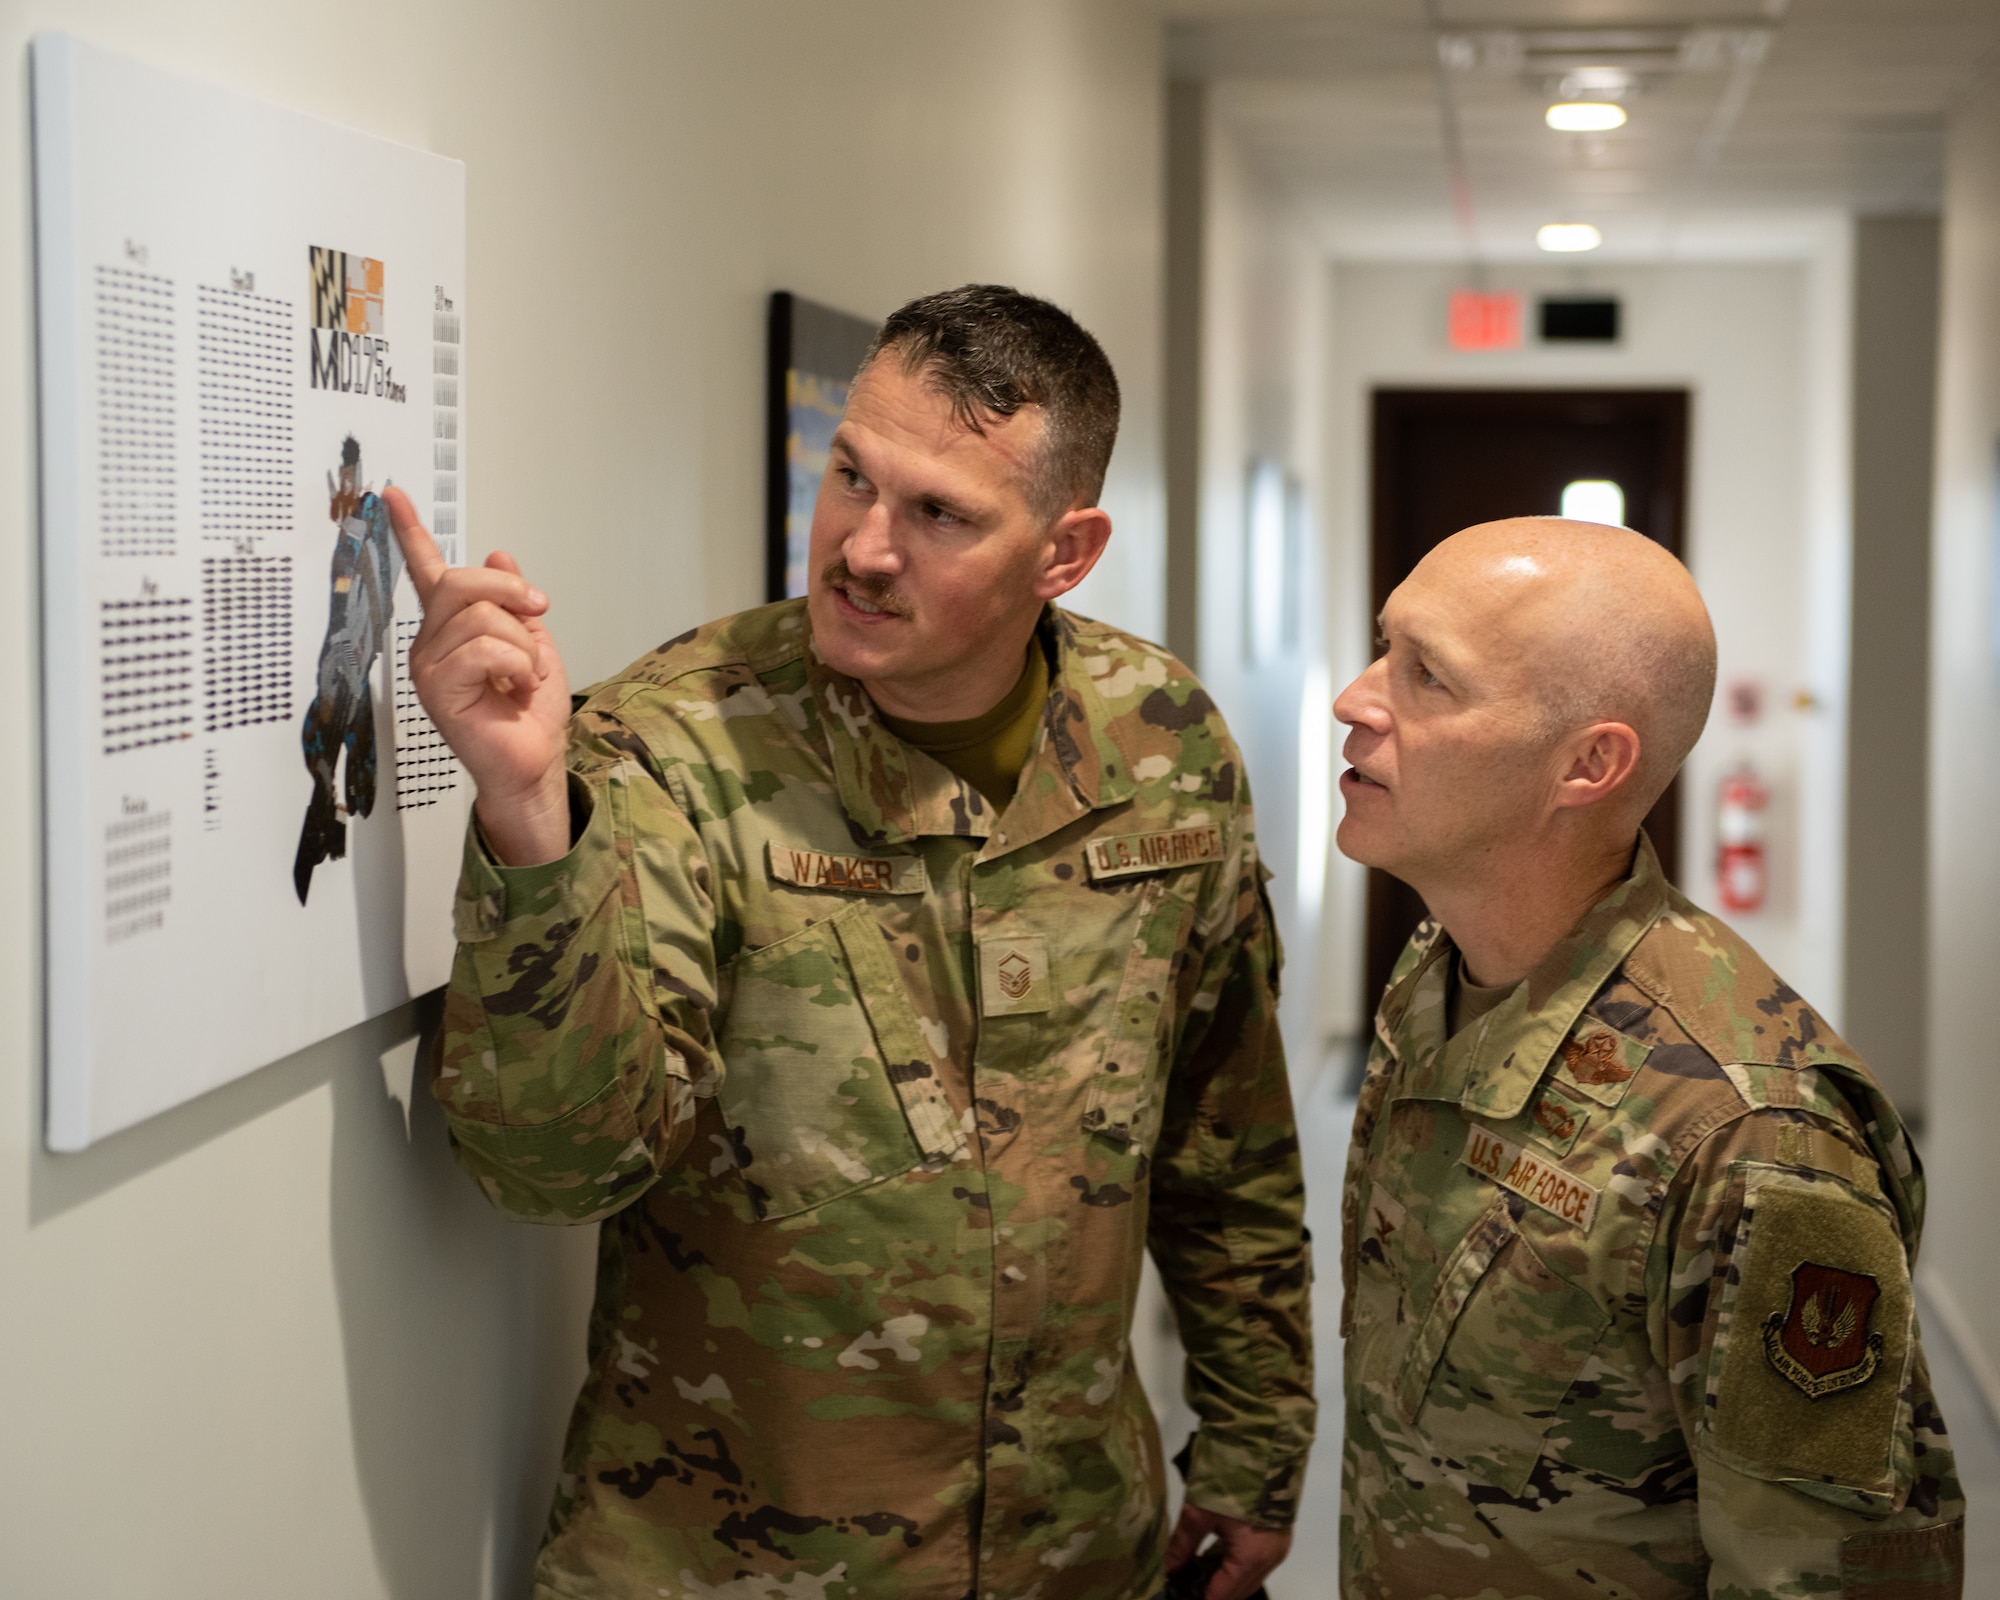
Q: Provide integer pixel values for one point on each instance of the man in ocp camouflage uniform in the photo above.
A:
(887, 971)
(1628, 1229)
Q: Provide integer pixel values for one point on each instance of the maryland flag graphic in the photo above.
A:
(348, 340)
(1821, 1344)
(346, 292)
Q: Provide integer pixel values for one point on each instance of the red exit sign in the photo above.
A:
(1478, 320)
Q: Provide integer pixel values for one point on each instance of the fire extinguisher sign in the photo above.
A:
(1742, 868)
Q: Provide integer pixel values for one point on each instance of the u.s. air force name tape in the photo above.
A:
(1540, 1183)
(1133, 853)
(815, 869)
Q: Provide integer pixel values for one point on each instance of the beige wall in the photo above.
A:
(1961, 1266)
(1262, 292)
(271, 1342)
(1247, 288)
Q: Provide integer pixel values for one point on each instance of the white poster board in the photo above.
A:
(250, 323)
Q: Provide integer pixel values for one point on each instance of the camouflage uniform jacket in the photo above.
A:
(1627, 1273)
(882, 1099)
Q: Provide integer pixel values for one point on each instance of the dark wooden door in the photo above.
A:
(1445, 459)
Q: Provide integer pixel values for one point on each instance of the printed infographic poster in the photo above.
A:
(250, 324)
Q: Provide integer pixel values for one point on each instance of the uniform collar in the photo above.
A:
(894, 793)
(1492, 1068)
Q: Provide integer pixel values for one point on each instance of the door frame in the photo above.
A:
(1393, 404)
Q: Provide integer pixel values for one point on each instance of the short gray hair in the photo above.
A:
(1660, 684)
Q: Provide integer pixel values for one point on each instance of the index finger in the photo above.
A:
(420, 551)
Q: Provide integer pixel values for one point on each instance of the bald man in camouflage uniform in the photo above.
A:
(883, 1084)
(1628, 1227)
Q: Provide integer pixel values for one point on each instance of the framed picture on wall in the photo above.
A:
(815, 352)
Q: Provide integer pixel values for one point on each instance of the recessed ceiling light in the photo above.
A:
(1568, 236)
(1586, 116)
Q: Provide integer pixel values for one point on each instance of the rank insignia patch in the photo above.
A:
(1386, 1218)
(1822, 1344)
(1013, 974)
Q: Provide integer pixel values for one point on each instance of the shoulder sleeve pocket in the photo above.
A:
(1813, 1344)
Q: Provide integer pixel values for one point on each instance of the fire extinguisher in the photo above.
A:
(1741, 868)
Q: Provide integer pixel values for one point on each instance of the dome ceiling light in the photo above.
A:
(1586, 116)
(1564, 238)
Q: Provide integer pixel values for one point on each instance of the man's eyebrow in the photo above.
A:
(951, 505)
(1429, 648)
(1409, 635)
(957, 505)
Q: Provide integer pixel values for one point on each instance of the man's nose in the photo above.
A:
(871, 547)
(1360, 704)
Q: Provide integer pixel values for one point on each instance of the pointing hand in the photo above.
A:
(488, 673)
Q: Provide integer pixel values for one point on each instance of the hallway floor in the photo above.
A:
(1324, 1119)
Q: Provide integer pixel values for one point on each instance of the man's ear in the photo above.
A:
(1075, 542)
(1598, 762)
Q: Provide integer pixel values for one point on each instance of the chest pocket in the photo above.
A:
(1128, 1090)
(828, 1085)
(1502, 1343)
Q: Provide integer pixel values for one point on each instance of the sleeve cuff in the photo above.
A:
(490, 895)
(1232, 1479)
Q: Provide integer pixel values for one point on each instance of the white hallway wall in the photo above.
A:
(1260, 401)
(1763, 349)
(271, 1342)
(1258, 287)
(1961, 1268)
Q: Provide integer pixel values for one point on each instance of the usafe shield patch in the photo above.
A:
(1134, 853)
(1822, 1343)
(1539, 1182)
(815, 869)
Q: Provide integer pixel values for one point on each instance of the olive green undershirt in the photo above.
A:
(988, 752)
(1471, 1001)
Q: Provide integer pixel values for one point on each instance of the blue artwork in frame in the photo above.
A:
(815, 353)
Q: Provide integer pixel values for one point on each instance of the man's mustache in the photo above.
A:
(882, 595)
